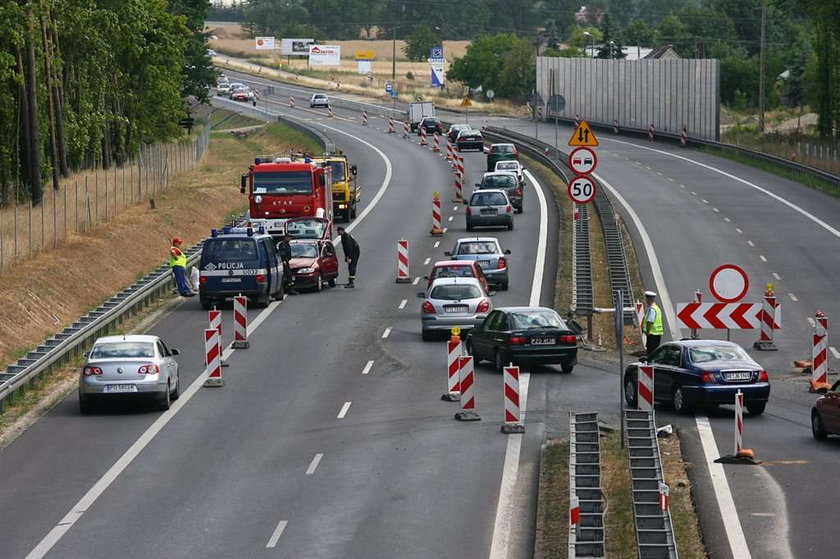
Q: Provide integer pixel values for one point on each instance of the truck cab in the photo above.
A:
(239, 261)
(345, 190)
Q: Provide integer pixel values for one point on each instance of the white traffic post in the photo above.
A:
(214, 318)
(213, 358)
(291, 101)
(513, 414)
(391, 125)
(698, 298)
(739, 422)
(240, 322)
(454, 351)
(364, 118)
(329, 111)
(402, 261)
(644, 383)
(640, 317)
(819, 353)
(467, 386)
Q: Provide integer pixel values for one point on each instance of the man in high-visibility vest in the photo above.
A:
(178, 263)
(653, 323)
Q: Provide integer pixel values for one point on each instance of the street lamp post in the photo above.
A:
(591, 43)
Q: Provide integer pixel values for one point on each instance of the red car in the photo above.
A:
(458, 269)
(313, 263)
(825, 415)
(246, 94)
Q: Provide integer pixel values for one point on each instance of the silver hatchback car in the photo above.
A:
(130, 365)
(451, 302)
(489, 207)
(487, 252)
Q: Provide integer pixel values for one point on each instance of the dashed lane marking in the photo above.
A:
(314, 464)
(792, 297)
(426, 261)
(437, 244)
(738, 229)
(344, 410)
(368, 367)
(386, 333)
(777, 276)
(762, 257)
(416, 281)
(752, 244)
(811, 321)
(403, 303)
(727, 220)
(275, 537)
(834, 352)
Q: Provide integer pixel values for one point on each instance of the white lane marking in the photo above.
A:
(450, 218)
(777, 276)
(762, 514)
(671, 179)
(648, 168)
(716, 210)
(705, 201)
(834, 352)
(693, 193)
(752, 244)
(416, 281)
(368, 367)
(426, 261)
(792, 297)
(454, 208)
(762, 257)
(734, 532)
(682, 186)
(738, 229)
(275, 537)
(510, 470)
(727, 220)
(386, 333)
(344, 409)
(314, 464)
(811, 321)
(659, 173)
(437, 244)
(403, 303)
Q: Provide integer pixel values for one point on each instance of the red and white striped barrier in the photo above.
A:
(213, 358)
(513, 416)
(683, 136)
(436, 226)
(664, 497)
(768, 316)
(739, 423)
(459, 165)
(391, 125)
(449, 149)
(577, 121)
(423, 141)
(539, 113)
(819, 353)
(644, 385)
(402, 261)
(291, 101)
(459, 188)
(436, 143)
(453, 367)
(640, 317)
(574, 511)
(467, 386)
(364, 118)
(240, 322)
(651, 131)
(405, 130)
(214, 318)
(329, 111)
(698, 298)
(615, 127)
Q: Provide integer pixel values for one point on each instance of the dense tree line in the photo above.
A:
(87, 81)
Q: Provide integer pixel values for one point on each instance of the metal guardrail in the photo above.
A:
(654, 531)
(616, 260)
(586, 539)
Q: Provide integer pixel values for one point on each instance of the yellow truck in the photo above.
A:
(345, 191)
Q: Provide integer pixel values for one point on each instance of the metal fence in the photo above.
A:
(823, 155)
(88, 199)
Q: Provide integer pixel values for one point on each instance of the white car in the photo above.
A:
(512, 167)
(223, 88)
(319, 100)
(211, 52)
(451, 302)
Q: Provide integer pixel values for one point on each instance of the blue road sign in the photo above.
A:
(393, 94)
(436, 53)
(389, 87)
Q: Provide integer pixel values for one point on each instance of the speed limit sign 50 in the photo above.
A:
(581, 189)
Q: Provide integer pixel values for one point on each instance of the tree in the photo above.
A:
(504, 63)
(419, 42)
(611, 48)
(639, 33)
(199, 74)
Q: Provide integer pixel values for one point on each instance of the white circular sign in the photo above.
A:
(581, 189)
(583, 160)
(729, 283)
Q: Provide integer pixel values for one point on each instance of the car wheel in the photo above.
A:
(567, 368)
(756, 408)
(499, 361)
(261, 301)
(504, 286)
(206, 304)
(177, 392)
(331, 282)
(352, 213)
(817, 428)
(319, 285)
(426, 335)
(630, 392)
(680, 405)
(86, 406)
(510, 225)
(166, 400)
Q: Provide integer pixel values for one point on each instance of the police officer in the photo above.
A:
(653, 323)
(284, 251)
(178, 263)
(351, 255)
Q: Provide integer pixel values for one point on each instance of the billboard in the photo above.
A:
(324, 55)
(295, 47)
(264, 43)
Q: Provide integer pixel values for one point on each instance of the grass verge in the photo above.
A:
(552, 538)
(620, 536)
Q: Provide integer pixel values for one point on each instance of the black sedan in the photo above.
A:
(523, 335)
(470, 139)
(431, 125)
(825, 415)
(692, 373)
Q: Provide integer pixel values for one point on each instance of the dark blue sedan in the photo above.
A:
(694, 373)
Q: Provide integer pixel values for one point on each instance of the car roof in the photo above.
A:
(455, 281)
(508, 162)
(319, 95)
(475, 239)
(128, 338)
(294, 241)
(440, 263)
(489, 191)
(524, 309)
(704, 343)
(499, 173)
(460, 126)
(496, 145)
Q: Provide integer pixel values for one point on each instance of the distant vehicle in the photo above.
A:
(487, 208)
(458, 269)
(245, 94)
(512, 166)
(488, 254)
(469, 139)
(135, 366)
(825, 415)
(319, 100)
(236, 85)
(431, 125)
(223, 88)
(452, 302)
(454, 129)
(211, 52)
(523, 336)
(507, 181)
(695, 373)
(419, 110)
(500, 152)
(313, 263)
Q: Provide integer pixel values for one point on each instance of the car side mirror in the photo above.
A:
(447, 253)
(421, 295)
(243, 183)
(507, 251)
(175, 351)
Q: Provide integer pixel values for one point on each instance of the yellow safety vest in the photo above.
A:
(656, 328)
(179, 260)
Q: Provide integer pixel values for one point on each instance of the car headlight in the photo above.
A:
(342, 206)
(258, 199)
(306, 270)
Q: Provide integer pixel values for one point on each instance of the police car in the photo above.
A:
(239, 261)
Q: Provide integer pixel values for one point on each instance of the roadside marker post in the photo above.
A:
(391, 125)
(683, 135)
(819, 354)
(640, 316)
(574, 511)
(364, 118)
(664, 498)
(698, 298)
(436, 219)
(768, 320)
(214, 318)
(213, 358)
(329, 111)
(651, 131)
(291, 101)
(454, 350)
(459, 189)
(405, 130)
(742, 455)
(448, 148)
(513, 416)
(615, 127)
(402, 262)
(423, 141)
(467, 386)
(240, 322)
(436, 143)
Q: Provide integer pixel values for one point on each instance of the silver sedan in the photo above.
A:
(451, 302)
(130, 365)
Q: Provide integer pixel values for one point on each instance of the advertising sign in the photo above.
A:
(438, 68)
(295, 47)
(364, 67)
(264, 43)
(365, 55)
(324, 55)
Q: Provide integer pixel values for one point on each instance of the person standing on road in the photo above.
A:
(178, 263)
(284, 251)
(653, 323)
(351, 255)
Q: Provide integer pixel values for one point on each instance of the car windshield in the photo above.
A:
(306, 228)
(488, 199)
(296, 182)
(478, 247)
(499, 181)
(229, 250)
(502, 149)
(304, 250)
(535, 319)
(708, 354)
(320, 97)
(453, 272)
(337, 171)
(116, 350)
(455, 292)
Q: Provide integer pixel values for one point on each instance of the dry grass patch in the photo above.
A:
(552, 537)
(620, 533)
(683, 516)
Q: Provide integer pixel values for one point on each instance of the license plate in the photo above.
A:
(483, 263)
(453, 309)
(490, 211)
(230, 280)
(738, 376)
(543, 341)
(120, 388)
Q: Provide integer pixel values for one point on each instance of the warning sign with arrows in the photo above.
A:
(465, 102)
(583, 136)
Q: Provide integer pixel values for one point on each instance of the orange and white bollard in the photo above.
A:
(329, 111)
(391, 125)
(644, 387)
(819, 354)
(454, 352)
(240, 322)
(402, 261)
(423, 141)
(449, 149)
(513, 413)
(436, 228)
(467, 385)
(683, 136)
(436, 143)
(664, 498)
(768, 321)
(459, 188)
(291, 101)
(364, 118)
(213, 358)
(405, 130)
(651, 131)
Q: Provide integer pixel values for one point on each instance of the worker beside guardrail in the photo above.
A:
(178, 263)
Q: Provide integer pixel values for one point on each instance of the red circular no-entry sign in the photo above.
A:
(729, 283)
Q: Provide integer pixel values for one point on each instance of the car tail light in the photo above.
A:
(260, 278)
(469, 211)
(515, 151)
(518, 340)
(90, 371)
(483, 306)
(508, 209)
(517, 191)
(568, 339)
(502, 263)
(428, 308)
(707, 378)
(202, 279)
(763, 376)
(148, 369)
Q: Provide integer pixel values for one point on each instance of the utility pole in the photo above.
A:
(762, 57)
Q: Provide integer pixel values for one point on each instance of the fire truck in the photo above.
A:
(280, 188)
